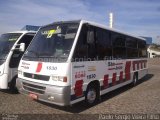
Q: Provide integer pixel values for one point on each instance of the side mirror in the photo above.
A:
(19, 47)
(22, 47)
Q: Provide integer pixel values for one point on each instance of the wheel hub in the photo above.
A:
(91, 96)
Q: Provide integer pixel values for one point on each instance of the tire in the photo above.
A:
(135, 79)
(12, 86)
(92, 95)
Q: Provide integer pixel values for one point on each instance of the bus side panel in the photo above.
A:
(118, 74)
(140, 66)
(111, 74)
(125, 75)
(78, 84)
(85, 72)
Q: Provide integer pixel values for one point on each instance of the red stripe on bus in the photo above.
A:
(114, 79)
(105, 81)
(39, 67)
(78, 88)
(127, 70)
(121, 76)
(140, 64)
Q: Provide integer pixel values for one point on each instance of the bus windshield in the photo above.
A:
(52, 41)
(6, 42)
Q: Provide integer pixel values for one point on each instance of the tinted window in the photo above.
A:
(141, 44)
(118, 43)
(52, 41)
(81, 49)
(6, 43)
(16, 56)
(142, 48)
(92, 50)
(118, 39)
(132, 53)
(104, 48)
(103, 44)
(26, 39)
(131, 42)
(103, 36)
(119, 52)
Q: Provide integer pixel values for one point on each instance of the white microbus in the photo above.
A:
(71, 61)
(12, 47)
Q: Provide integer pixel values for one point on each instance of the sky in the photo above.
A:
(137, 17)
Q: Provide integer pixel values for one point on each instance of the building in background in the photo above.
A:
(153, 51)
(30, 28)
(148, 40)
(152, 48)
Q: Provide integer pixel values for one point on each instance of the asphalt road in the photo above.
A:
(142, 99)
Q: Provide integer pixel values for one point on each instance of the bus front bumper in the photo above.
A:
(57, 95)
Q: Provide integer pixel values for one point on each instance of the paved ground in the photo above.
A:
(144, 98)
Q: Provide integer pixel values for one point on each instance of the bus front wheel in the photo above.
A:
(12, 86)
(92, 95)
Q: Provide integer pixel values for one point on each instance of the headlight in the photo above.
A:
(59, 78)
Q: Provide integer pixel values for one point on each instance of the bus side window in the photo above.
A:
(131, 46)
(104, 45)
(142, 48)
(118, 42)
(86, 46)
(91, 43)
(16, 56)
(26, 39)
(80, 52)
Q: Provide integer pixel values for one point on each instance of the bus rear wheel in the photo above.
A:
(135, 79)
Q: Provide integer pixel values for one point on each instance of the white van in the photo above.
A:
(12, 47)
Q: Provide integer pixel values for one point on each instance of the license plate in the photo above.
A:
(33, 96)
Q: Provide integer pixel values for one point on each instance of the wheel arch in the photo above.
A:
(94, 83)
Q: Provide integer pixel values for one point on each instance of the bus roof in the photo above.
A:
(107, 28)
(58, 22)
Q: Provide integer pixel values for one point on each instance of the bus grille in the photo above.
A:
(37, 77)
(34, 88)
